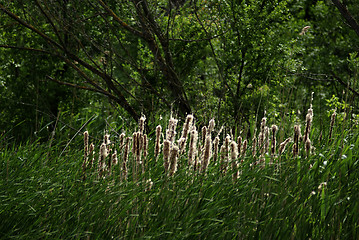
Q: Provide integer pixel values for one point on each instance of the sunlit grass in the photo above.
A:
(45, 196)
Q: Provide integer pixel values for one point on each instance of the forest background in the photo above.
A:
(79, 161)
(67, 61)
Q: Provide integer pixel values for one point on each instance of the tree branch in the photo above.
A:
(346, 14)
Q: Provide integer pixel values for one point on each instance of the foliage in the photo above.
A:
(230, 59)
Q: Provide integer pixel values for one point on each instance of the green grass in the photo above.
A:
(44, 196)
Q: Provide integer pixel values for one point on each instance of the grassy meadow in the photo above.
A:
(186, 180)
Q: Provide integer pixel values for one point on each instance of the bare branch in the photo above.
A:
(346, 14)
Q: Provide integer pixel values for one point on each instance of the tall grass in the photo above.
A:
(214, 187)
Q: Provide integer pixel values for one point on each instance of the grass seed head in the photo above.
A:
(207, 153)
(192, 146)
(158, 140)
(274, 129)
(171, 129)
(211, 125)
(142, 124)
(239, 144)
(173, 160)
(215, 148)
(244, 148)
(166, 154)
(308, 147)
(283, 145)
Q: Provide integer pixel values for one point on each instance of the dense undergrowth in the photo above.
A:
(45, 194)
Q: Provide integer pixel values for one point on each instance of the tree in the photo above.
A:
(100, 46)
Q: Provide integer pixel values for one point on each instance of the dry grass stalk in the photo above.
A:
(244, 149)
(215, 148)
(204, 134)
(254, 147)
(86, 153)
(192, 152)
(114, 160)
(122, 141)
(296, 140)
(211, 126)
(223, 160)
(92, 152)
(185, 130)
(145, 145)
(173, 160)
(166, 155)
(332, 121)
(171, 130)
(274, 129)
(125, 158)
(102, 158)
(262, 136)
(308, 124)
(158, 141)
(206, 154)
(308, 147)
(234, 155)
(266, 142)
(144, 152)
(142, 124)
(239, 145)
(283, 145)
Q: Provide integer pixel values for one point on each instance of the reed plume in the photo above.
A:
(254, 147)
(171, 129)
(234, 155)
(92, 152)
(173, 160)
(332, 121)
(239, 145)
(308, 147)
(158, 141)
(142, 124)
(215, 148)
(86, 153)
(308, 123)
(296, 140)
(192, 152)
(244, 149)
(102, 158)
(186, 128)
(125, 158)
(223, 160)
(207, 153)
(166, 155)
(274, 141)
(283, 145)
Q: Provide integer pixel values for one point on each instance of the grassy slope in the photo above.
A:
(45, 198)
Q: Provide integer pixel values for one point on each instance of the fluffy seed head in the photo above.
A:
(158, 140)
(207, 153)
(145, 145)
(244, 148)
(166, 154)
(142, 124)
(274, 129)
(192, 146)
(211, 125)
(173, 160)
(308, 146)
(239, 144)
(215, 148)
(171, 130)
(283, 145)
